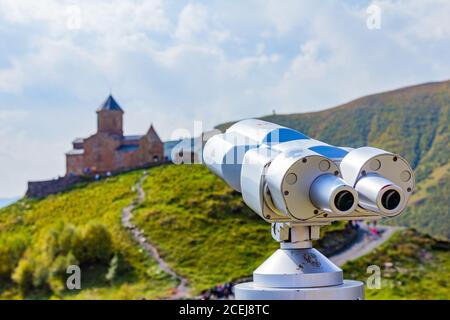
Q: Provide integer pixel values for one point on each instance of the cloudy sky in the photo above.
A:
(173, 62)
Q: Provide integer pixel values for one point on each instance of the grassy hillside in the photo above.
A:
(413, 266)
(203, 230)
(201, 227)
(413, 122)
(38, 239)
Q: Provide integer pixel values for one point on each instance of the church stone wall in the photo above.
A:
(107, 151)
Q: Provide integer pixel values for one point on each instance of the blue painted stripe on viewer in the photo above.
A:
(329, 151)
(283, 135)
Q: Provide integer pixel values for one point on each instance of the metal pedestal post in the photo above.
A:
(296, 272)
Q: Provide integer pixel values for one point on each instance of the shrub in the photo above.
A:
(31, 274)
(58, 271)
(97, 245)
(23, 275)
(11, 251)
(62, 241)
(40, 276)
(69, 240)
(92, 245)
(44, 266)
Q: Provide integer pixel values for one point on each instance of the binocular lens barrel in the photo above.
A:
(331, 194)
(379, 194)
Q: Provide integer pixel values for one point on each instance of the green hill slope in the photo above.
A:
(199, 225)
(203, 230)
(413, 122)
(412, 266)
(38, 240)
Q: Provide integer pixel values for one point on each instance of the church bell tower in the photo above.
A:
(110, 117)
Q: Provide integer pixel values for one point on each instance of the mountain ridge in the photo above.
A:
(353, 101)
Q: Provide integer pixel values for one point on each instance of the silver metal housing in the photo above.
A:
(374, 172)
(289, 179)
(276, 169)
(267, 173)
(224, 153)
(293, 182)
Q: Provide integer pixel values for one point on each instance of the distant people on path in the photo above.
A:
(353, 224)
(219, 292)
(374, 233)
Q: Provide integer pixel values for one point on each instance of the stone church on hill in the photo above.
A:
(109, 150)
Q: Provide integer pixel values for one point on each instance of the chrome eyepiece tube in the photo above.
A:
(331, 194)
(381, 195)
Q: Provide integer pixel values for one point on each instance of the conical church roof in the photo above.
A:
(110, 104)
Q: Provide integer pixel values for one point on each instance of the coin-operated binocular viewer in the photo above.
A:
(299, 184)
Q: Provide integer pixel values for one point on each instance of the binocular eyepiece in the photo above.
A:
(331, 194)
(380, 195)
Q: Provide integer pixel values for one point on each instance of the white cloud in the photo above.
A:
(24, 158)
(192, 21)
(342, 59)
(9, 116)
(23, 155)
(12, 79)
(307, 64)
(290, 15)
(104, 17)
(171, 63)
(418, 20)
